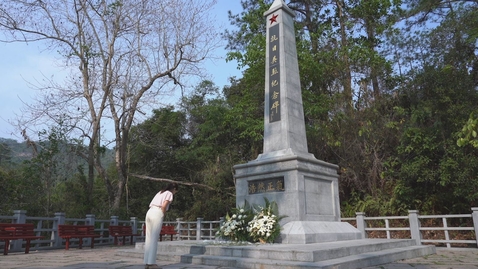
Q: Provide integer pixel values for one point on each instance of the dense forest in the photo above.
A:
(390, 90)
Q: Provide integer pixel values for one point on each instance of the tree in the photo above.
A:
(122, 55)
(435, 100)
(195, 146)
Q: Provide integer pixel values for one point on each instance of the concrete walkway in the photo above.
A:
(107, 257)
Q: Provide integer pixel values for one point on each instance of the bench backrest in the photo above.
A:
(64, 229)
(115, 229)
(23, 229)
(165, 229)
(168, 229)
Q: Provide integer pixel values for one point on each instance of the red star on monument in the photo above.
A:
(273, 18)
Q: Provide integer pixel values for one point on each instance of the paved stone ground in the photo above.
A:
(452, 258)
(106, 257)
(86, 258)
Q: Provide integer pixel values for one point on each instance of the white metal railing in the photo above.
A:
(412, 226)
(48, 228)
(446, 230)
(417, 227)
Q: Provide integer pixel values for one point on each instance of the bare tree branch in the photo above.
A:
(121, 55)
(173, 181)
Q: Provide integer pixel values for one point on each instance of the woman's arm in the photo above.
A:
(165, 205)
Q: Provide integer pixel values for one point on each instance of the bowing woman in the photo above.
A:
(154, 221)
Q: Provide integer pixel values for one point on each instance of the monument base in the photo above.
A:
(304, 188)
(308, 232)
(350, 254)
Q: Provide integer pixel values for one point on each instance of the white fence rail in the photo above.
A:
(48, 228)
(450, 230)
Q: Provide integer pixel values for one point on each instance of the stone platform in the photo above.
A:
(351, 254)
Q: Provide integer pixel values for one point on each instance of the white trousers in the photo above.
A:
(154, 221)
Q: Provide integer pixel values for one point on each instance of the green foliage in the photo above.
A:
(428, 161)
(156, 140)
(468, 134)
(12, 191)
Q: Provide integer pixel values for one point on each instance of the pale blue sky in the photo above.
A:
(22, 63)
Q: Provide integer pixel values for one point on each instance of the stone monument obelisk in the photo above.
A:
(305, 189)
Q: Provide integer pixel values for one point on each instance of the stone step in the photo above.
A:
(290, 252)
(343, 254)
(349, 262)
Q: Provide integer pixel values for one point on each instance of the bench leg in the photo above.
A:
(27, 246)
(124, 239)
(67, 244)
(80, 243)
(92, 242)
(131, 240)
(5, 249)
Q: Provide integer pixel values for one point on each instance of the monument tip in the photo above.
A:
(277, 3)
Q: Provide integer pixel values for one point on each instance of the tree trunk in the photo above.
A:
(346, 75)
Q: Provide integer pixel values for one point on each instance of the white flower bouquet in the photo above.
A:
(235, 226)
(243, 225)
(264, 227)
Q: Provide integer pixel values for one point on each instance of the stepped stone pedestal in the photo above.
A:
(351, 254)
(308, 197)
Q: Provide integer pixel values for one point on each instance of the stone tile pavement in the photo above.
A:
(86, 258)
(445, 258)
(106, 257)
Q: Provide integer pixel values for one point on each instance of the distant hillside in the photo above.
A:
(19, 152)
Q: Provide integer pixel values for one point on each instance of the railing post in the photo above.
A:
(178, 228)
(134, 227)
(415, 226)
(475, 222)
(199, 228)
(447, 234)
(59, 219)
(21, 218)
(114, 220)
(361, 224)
(90, 220)
(221, 222)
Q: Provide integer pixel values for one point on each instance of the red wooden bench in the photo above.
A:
(14, 231)
(167, 230)
(123, 231)
(77, 231)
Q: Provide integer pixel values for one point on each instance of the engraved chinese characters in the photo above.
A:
(275, 184)
(274, 73)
